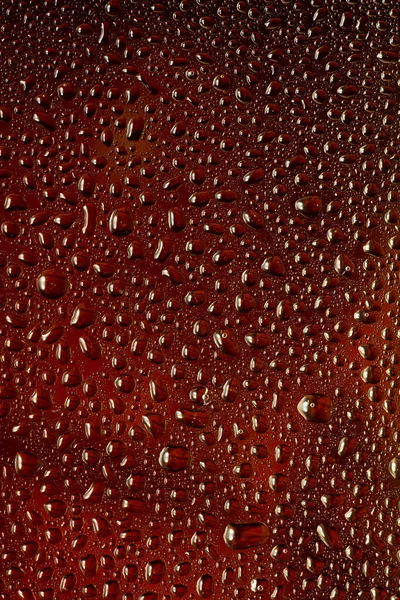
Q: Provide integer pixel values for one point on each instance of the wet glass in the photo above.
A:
(199, 258)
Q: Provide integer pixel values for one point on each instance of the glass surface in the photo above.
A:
(199, 268)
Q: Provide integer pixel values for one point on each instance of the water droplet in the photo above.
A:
(52, 284)
(174, 458)
(316, 408)
(240, 536)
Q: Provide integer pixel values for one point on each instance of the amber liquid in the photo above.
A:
(199, 300)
